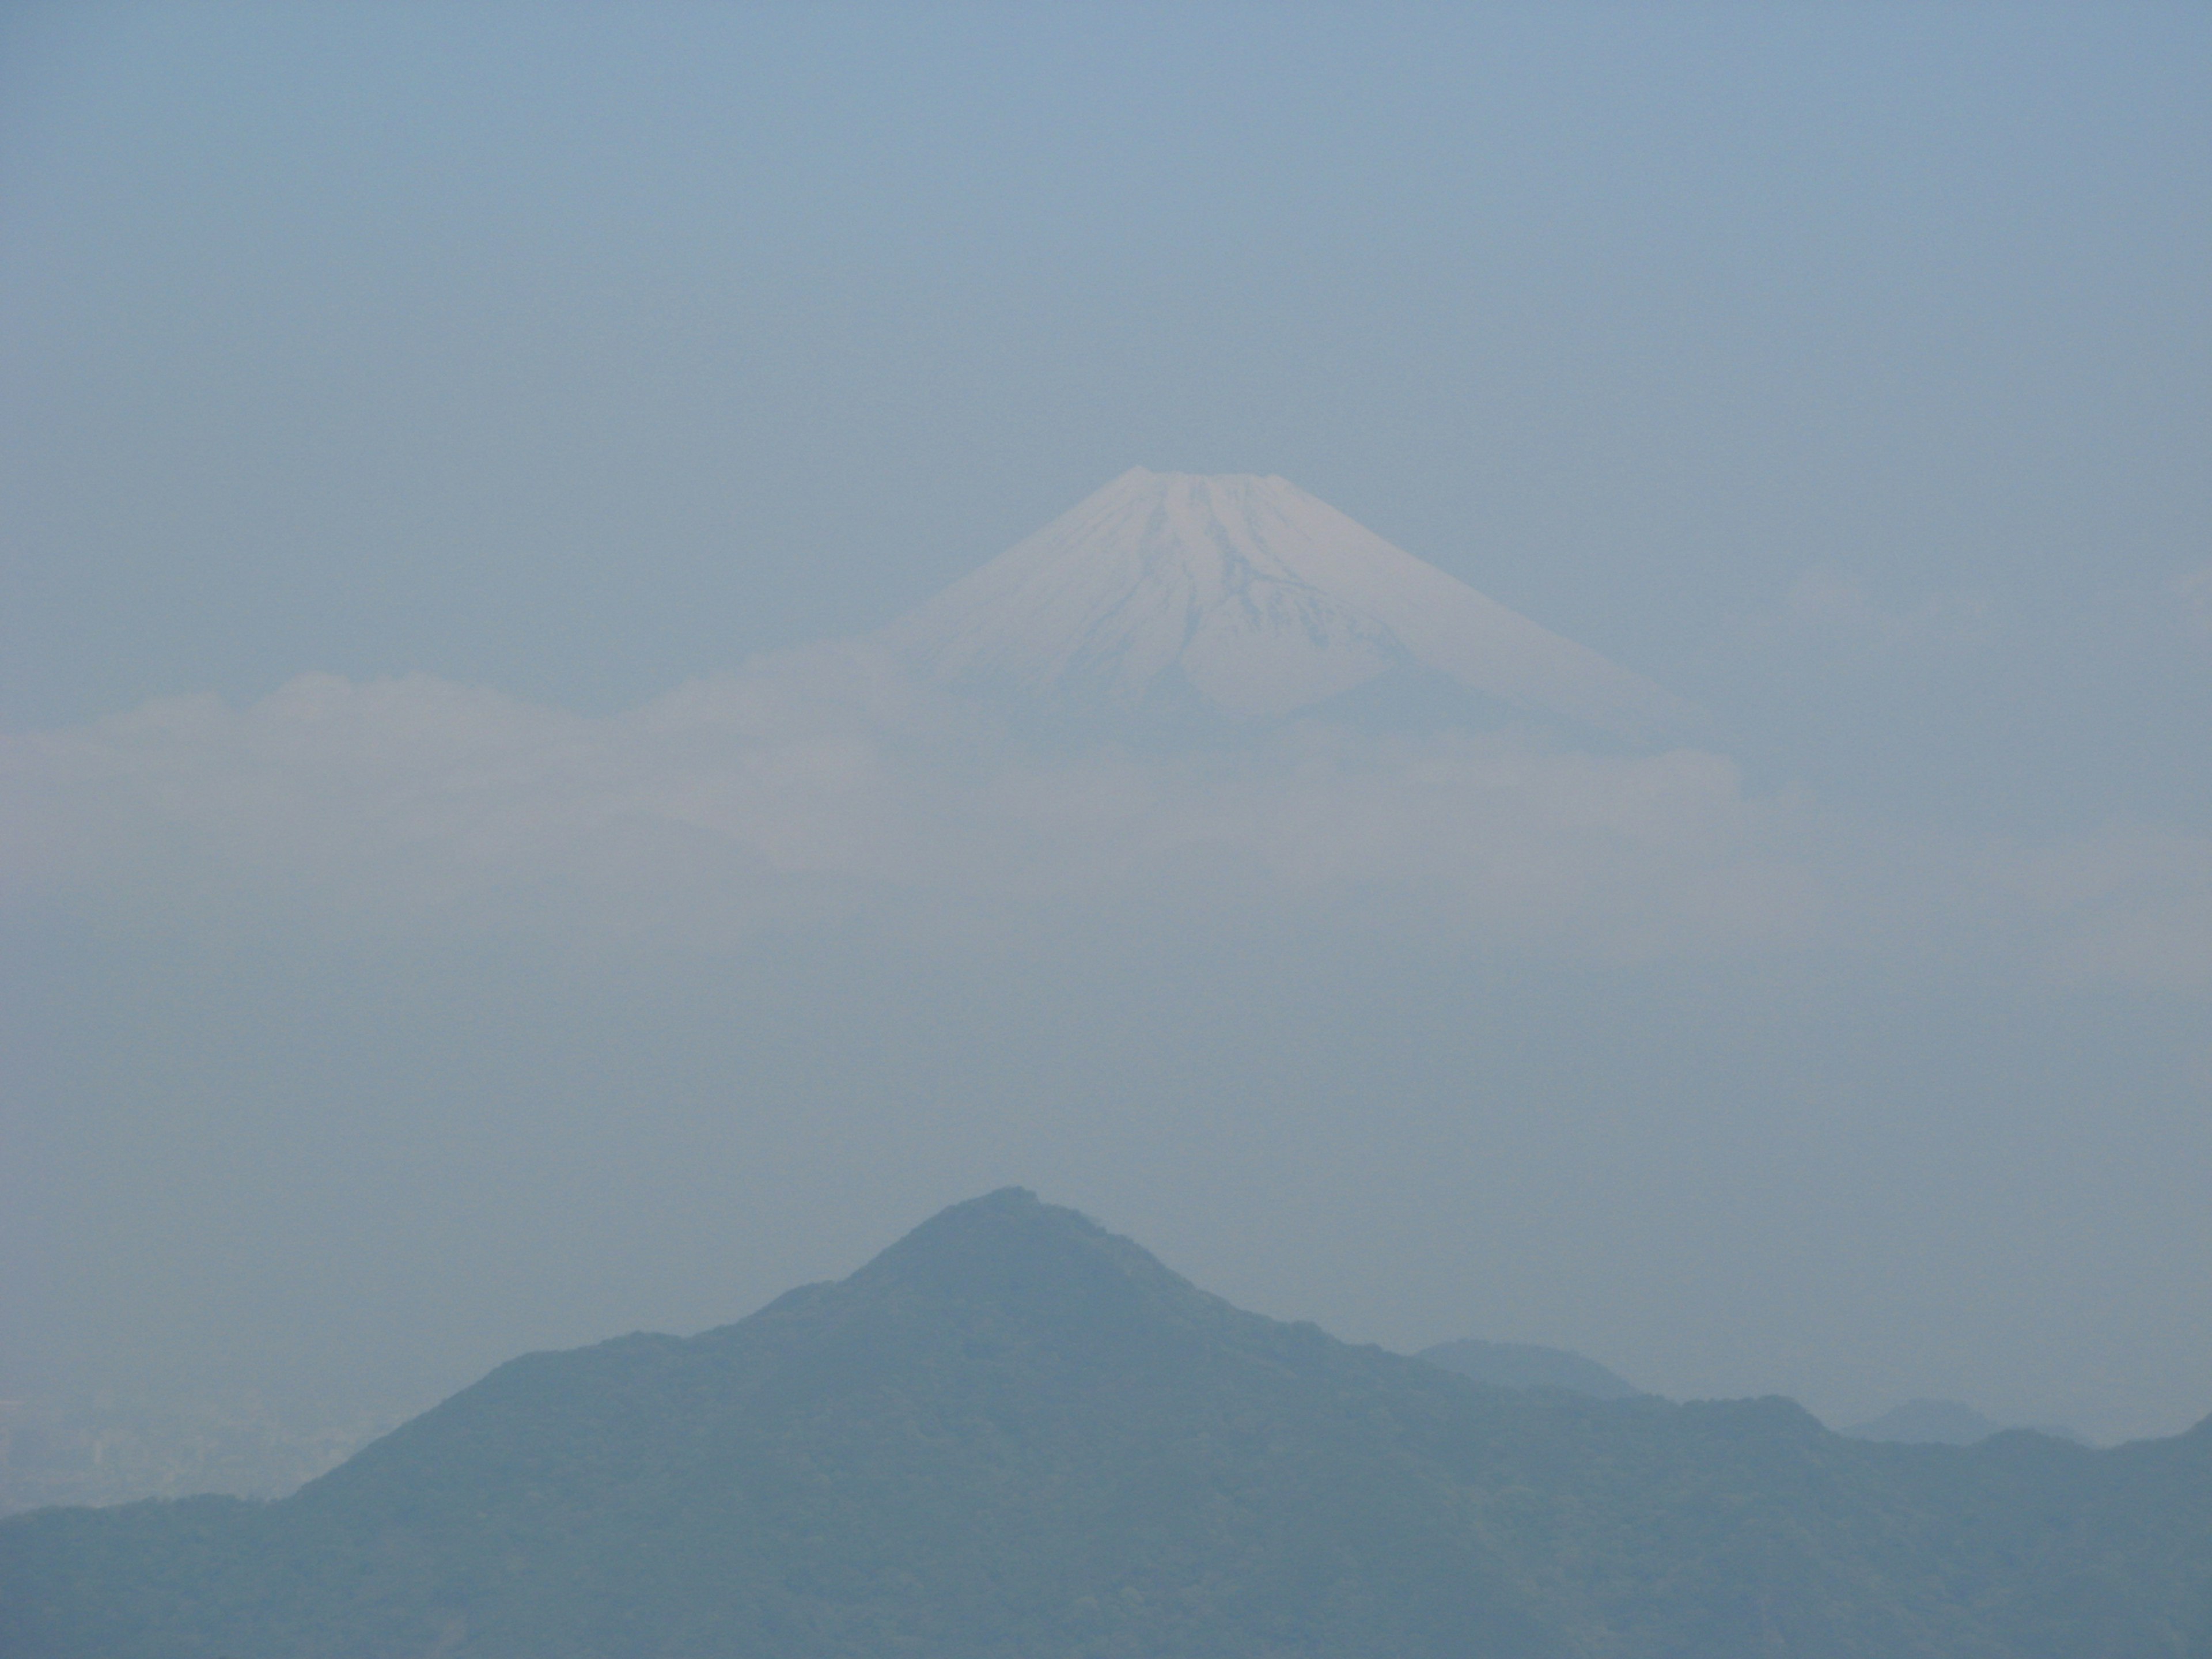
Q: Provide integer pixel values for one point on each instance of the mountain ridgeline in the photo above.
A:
(1526, 1365)
(1015, 1434)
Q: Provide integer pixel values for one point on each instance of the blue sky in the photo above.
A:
(1844, 368)
(581, 354)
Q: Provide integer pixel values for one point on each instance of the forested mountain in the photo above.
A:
(1014, 1434)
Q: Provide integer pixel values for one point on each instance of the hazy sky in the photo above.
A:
(1847, 370)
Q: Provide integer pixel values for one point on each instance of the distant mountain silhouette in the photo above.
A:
(1927, 1423)
(1526, 1365)
(1013, 1434)
(1939, 1423)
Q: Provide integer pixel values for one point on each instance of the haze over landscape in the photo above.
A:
(1529, 680)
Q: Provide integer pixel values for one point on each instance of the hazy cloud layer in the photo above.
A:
(2192, 590)
(819, 781)
(1830, 608)
(2133, 903)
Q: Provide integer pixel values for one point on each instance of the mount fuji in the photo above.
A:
(1244, 597)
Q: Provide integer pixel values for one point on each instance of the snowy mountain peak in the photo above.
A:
(1252, 596)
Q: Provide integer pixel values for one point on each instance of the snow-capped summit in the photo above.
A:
(1256, 599)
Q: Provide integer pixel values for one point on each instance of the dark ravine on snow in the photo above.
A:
(1015, 1434)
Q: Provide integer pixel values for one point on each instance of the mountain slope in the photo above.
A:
(1928, 1423)
(1013, 1434)
(1248, 597)
(1526, 1365)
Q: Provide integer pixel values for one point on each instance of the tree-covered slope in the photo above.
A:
(1014, 1434)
